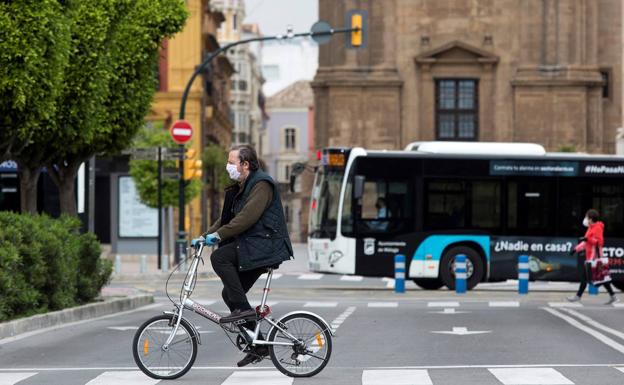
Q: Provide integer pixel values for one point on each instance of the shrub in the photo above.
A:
(46, 264)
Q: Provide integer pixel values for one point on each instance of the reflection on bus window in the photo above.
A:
(324, 207)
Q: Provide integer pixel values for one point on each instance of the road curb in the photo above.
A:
(78, 313)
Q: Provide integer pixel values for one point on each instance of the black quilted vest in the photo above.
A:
(266, 243)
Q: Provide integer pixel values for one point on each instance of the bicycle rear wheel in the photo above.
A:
(307, 357)
(156, 362)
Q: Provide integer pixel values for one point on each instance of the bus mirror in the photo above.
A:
(358, 186)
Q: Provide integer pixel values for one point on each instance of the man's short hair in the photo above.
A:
(246, 153)
(593, 215)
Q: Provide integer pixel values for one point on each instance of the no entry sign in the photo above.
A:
(181, 131)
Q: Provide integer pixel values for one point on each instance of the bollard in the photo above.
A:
(523, 274)
(399, 273)
(460, 274)
(117, 264)
(143, 266)
(593, 290)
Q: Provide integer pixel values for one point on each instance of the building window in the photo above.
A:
(290, 138)
(233, 84)
(456, 109)
(235, 22)
(242, 85)
(606, 80)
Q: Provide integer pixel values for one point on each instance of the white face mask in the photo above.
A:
(586, 222)
(233, 171)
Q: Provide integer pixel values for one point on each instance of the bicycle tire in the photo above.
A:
(310, 329)
(147, 343)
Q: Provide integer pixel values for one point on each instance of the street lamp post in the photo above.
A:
(320, 32)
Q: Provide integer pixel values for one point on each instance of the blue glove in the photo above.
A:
(212, 239)
(196, 241)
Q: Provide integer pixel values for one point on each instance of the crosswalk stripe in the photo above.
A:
(134, 377)
(383, 304)
(565, 304)
(310, 276)
(530, 376)
(352, 278)
(396, 377)
(13, 378)
(320, 304)
(443, 304)
(258, 378)
(621, 369)
(504, 304)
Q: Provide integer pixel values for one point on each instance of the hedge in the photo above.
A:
(47, 265)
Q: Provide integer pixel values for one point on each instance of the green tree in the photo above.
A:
(145, 172)
(34, 53)
(107, 87)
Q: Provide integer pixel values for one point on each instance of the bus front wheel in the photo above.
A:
(429, 283)
(474, 267)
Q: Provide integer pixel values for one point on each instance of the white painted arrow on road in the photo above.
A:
(461, 331)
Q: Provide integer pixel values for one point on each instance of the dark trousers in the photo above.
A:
(235, 283)
(583, 274)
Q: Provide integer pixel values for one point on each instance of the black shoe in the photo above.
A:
(254, 356)
(238, 315)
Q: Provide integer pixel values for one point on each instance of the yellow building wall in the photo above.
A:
(184, 53)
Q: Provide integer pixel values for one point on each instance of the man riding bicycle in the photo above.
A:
(252, 236)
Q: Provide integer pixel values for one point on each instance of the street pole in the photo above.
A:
(180, 250)
(160, 226)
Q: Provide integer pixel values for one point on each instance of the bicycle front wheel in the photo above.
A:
(312, 349)
(156, 361)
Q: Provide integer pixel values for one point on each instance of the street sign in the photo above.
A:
(321, 32)
(181, 131)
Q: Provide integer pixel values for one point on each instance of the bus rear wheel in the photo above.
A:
(618, 284)
(429, 283)
(474, 267)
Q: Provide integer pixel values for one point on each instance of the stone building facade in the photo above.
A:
(545, 71)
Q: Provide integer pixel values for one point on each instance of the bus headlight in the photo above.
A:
(335, 257)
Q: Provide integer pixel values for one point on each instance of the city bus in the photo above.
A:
(489, 201)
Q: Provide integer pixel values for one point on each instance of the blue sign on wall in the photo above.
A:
(8, 165)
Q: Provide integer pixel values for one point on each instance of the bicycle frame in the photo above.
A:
(208, 314)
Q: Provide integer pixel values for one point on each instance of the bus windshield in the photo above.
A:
(324, 205)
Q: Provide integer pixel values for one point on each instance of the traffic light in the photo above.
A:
(192, 166)
(357, 20)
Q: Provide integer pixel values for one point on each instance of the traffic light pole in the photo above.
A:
(182, 241)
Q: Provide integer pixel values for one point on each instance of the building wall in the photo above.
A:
(538, 65)
(284, 63)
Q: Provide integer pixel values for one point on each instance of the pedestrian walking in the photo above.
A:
(592, 265)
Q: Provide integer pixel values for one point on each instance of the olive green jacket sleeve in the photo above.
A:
(259, 199)
(213, 228)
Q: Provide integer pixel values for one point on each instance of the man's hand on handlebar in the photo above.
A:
(197, 241)
(212, 239)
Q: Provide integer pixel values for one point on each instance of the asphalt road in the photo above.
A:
(490, 336)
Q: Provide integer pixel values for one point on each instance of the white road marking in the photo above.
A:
(257, 303)
(620, 369)
(13, 378)
(461, 331)
(565, 304)
(389, 283)
(320, 304)
(448, 311)
(383, 304)
(599, 336)
(504, 304)
(335, 324)
(352, 278)
(442, 304)
(275, 276)
(530, 376)
(135, 377)
(310, 276)
(258, 378)
(396, 377)
(595, 324)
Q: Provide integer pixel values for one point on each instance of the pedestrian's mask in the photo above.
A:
(586, 222)
(233, 171)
